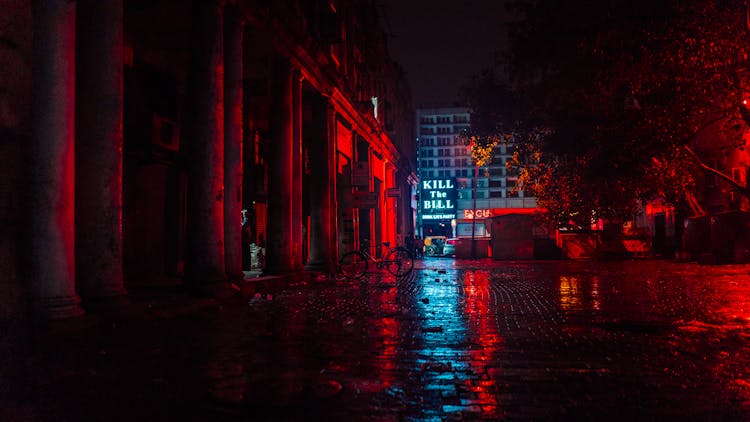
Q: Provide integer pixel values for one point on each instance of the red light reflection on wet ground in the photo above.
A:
(488, 339)
(455, 340)
(481, 311)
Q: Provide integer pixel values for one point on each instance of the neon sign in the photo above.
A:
(469, 214)
(438, 197)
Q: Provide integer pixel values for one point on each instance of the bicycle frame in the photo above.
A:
(379, 262)
(398, 261)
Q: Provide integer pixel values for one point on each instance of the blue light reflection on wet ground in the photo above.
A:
(508, 340)
(455, 340)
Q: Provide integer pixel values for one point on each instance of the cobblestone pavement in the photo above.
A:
(456, 340)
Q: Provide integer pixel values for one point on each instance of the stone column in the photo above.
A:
(99, 107)
(296, 171)
(52, 161)
(204, 260)
(322, 187)
(233, 143)
(331, 197)
(280, 174)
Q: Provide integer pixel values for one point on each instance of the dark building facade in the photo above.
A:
(176, 139)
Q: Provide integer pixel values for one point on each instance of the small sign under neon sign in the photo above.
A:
(479, 214)
(438, 216)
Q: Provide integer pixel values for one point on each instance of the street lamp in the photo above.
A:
(474, 215)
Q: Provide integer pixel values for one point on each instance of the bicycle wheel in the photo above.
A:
(399, 262)
(353, 264)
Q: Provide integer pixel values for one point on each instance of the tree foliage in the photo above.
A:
(605, 95)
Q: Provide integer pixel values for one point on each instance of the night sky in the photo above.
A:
(442, 43)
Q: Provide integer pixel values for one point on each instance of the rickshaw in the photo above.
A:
(433, 245)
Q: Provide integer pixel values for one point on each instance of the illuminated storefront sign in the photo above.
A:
(469, 214)
(437, 199)
(438, 216)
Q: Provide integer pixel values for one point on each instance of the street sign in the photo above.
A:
(364, 199)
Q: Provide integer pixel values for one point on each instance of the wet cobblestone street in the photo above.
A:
(455, 340)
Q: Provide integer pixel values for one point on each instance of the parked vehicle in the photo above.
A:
(449, 248)
(433, 245)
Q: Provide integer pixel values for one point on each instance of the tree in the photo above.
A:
(487, 99)
(614, 92)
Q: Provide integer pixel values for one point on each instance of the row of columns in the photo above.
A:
(75, 178)
(76, 157)
(285, 201)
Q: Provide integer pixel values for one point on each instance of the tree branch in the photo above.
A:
(708, 123)
(742, 189)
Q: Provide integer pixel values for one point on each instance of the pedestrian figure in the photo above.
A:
(409, 242)
(418, 247)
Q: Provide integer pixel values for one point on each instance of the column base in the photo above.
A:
(61, 307)
(236, 277)
(112, 304)
(218, 290)
(324, 267)
(208, 277)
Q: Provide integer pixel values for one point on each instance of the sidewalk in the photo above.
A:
(68, 363)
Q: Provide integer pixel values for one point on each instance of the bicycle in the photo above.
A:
(398, 261)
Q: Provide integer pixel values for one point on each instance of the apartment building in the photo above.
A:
(447, 175)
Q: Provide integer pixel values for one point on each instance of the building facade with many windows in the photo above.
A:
(443, 160)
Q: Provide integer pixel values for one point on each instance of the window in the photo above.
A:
(496, 194)
(496, 183)
(737, 175)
